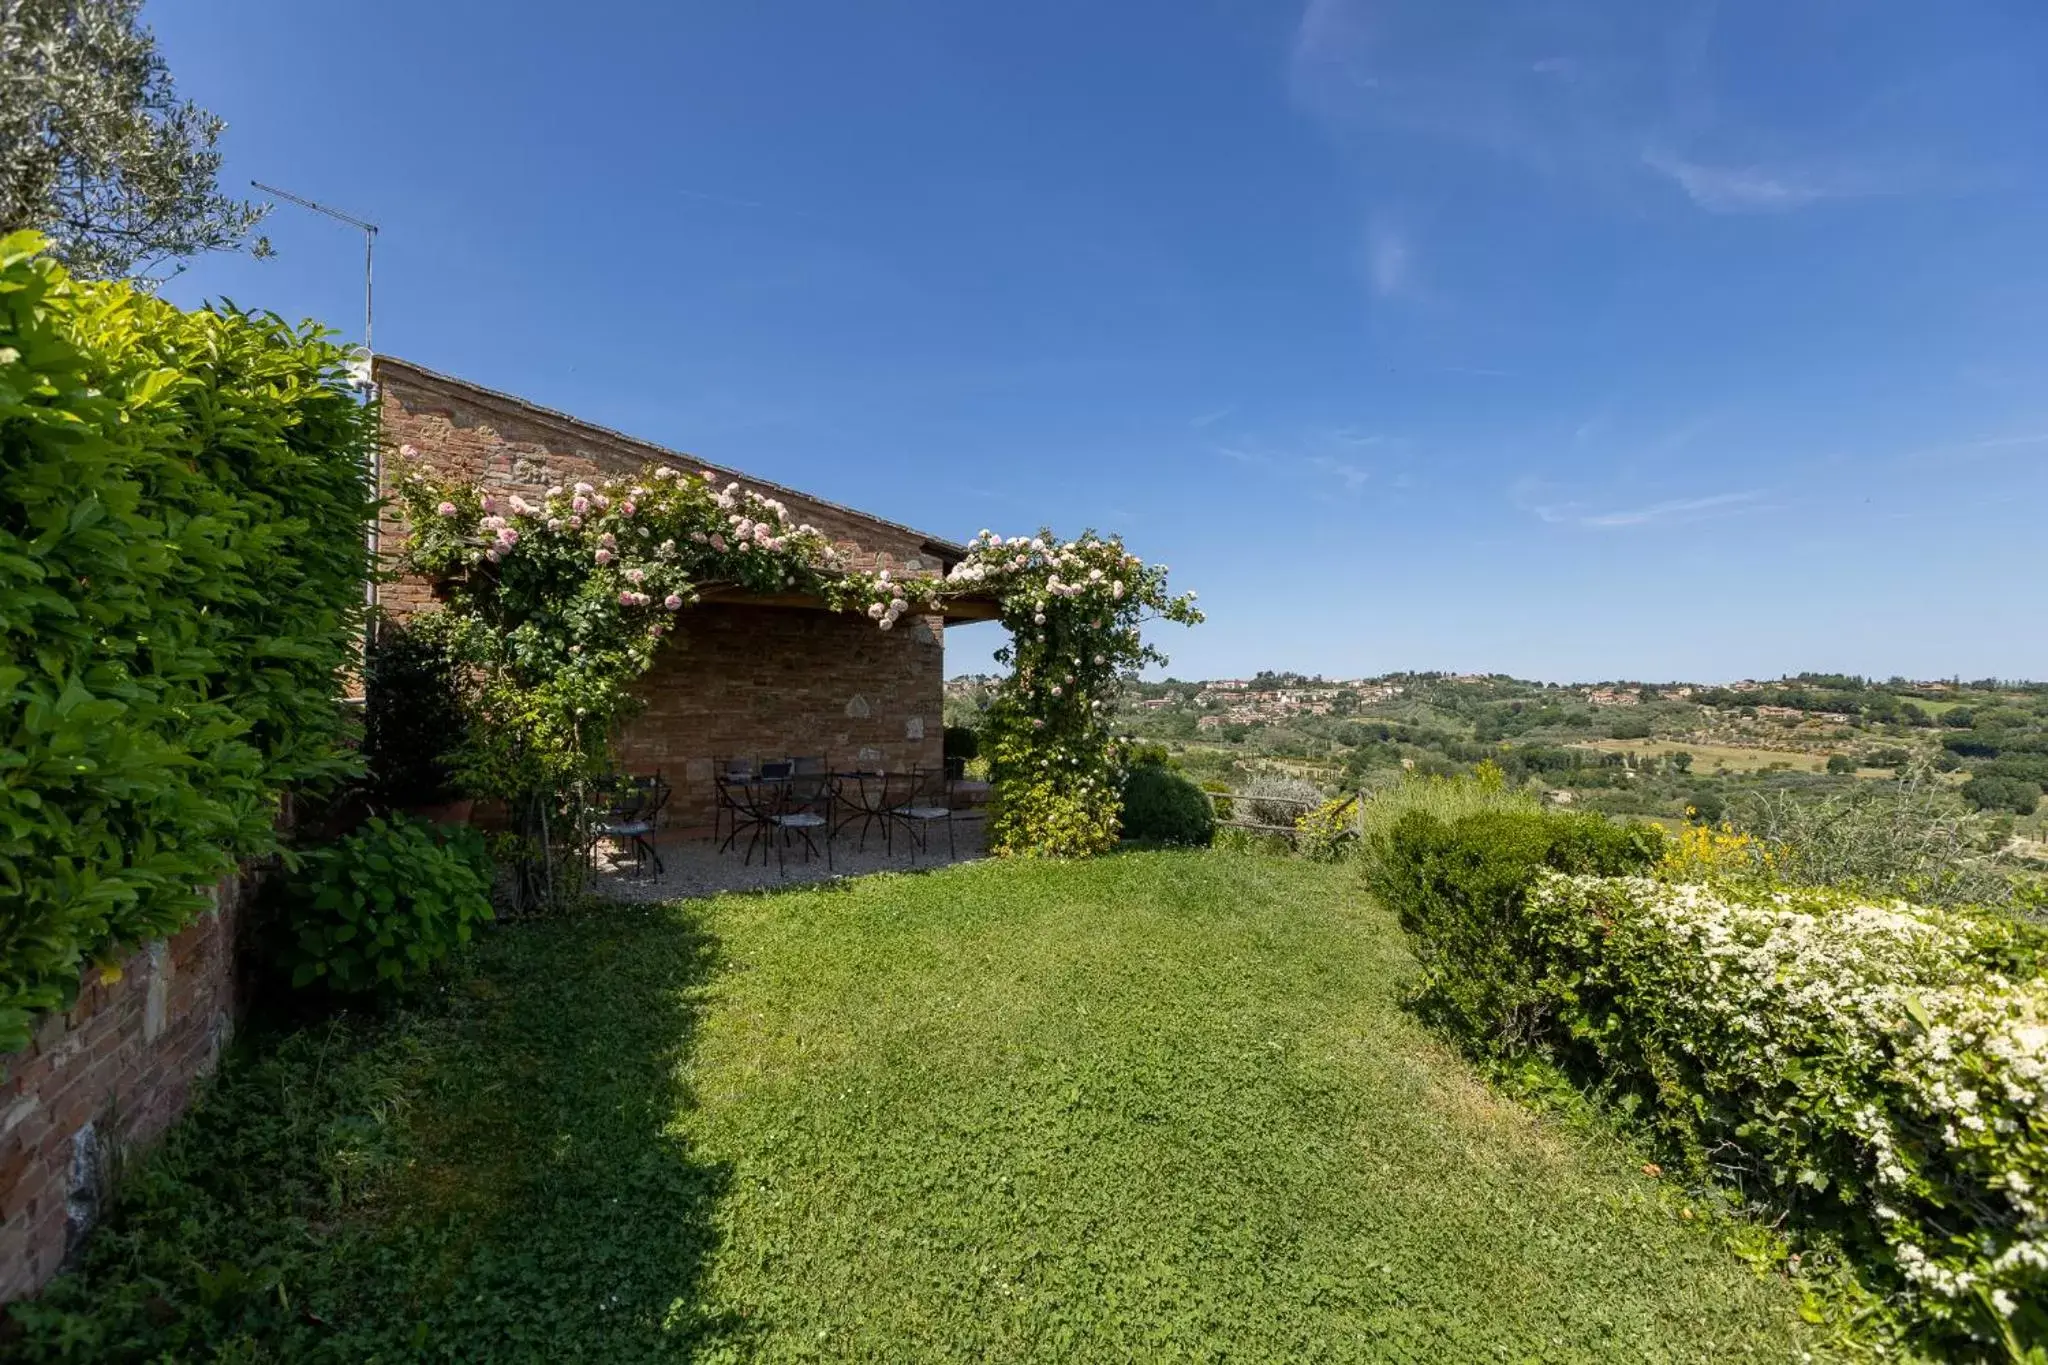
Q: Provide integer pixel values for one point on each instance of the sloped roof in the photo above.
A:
(571, 426)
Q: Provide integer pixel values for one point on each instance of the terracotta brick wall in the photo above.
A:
(103, 1080)
(779, 682)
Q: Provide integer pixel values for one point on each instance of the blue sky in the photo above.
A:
(1570, 339)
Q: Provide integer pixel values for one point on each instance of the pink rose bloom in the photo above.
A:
(626, 508)
(491, 555)
(604, 556)
(625, 599)
(699, 537)
(609, 541)
(673, 602)
(709, 475)
(580, 503)
(717, 541)
(601, 500)
(554, 523)
(490, 503)
(636, 576)
(409, 451)
(584, 490)
(575, 523)
(446, 509)
(508, 537)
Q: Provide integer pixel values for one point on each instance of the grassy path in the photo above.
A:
(1153, 1107)
(1156, 1107)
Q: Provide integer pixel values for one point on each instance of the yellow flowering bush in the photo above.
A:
(1704, 852)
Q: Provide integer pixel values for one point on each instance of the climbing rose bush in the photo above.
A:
(1884, 1060)
(1075, 611)
(558, 603)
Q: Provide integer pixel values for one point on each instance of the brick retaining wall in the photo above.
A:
(102, 1081)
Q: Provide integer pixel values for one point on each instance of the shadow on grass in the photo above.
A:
(495, 1175)
(552, 1209)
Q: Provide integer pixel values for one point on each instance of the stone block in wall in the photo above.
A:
(102, 1081)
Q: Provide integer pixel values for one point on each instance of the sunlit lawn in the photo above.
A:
(1154, 1107)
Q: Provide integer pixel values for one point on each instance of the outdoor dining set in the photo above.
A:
(785, 804)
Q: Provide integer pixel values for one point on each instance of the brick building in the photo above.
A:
(740, 676)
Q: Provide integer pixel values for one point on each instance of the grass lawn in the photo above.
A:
(1152, 1107)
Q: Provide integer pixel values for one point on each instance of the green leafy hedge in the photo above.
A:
(182, 506)
(1459, 888)
(1881, 1065)
(387, 902)
(1877, 1067)
(1163, 806)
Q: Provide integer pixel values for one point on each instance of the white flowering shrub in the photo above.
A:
(557, 604)
(1075, 611)
(1881, 1064)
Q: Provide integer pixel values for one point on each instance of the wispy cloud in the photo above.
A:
(1243, 455)
(1350, 475)
(1676, 509)
(1611, 98)
(1329, 453)
(1762, 189)
(1210, 419)
(1670, 510)
(1389, 261)
(1980, 449)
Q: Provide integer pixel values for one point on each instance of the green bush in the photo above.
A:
(1997, 792)
(182, 506)
(1459, 888)
(1329, 833)
(1163, 806)
(1879, 1065)
(962, 742)
(413, 719)
(390, 901)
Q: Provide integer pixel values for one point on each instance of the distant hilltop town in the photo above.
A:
(1248, 703)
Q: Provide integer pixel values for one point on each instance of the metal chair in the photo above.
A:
(926, 797)
(805, 805)
(725, 811)
(631, 815)
(864, 796)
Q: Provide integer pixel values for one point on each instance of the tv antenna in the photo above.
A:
(369, 231)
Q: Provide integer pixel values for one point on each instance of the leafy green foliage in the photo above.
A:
(1329, 833)
(1908, 838)
(97, 150)
(414, 722)
(557, 606)
(962, 742)
(1163, 806)
(1074, 610)
(1881, 1068)
(1459, 889)
(1997, 791)
(1156, 1106)
(181, 579)
(389, 901)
